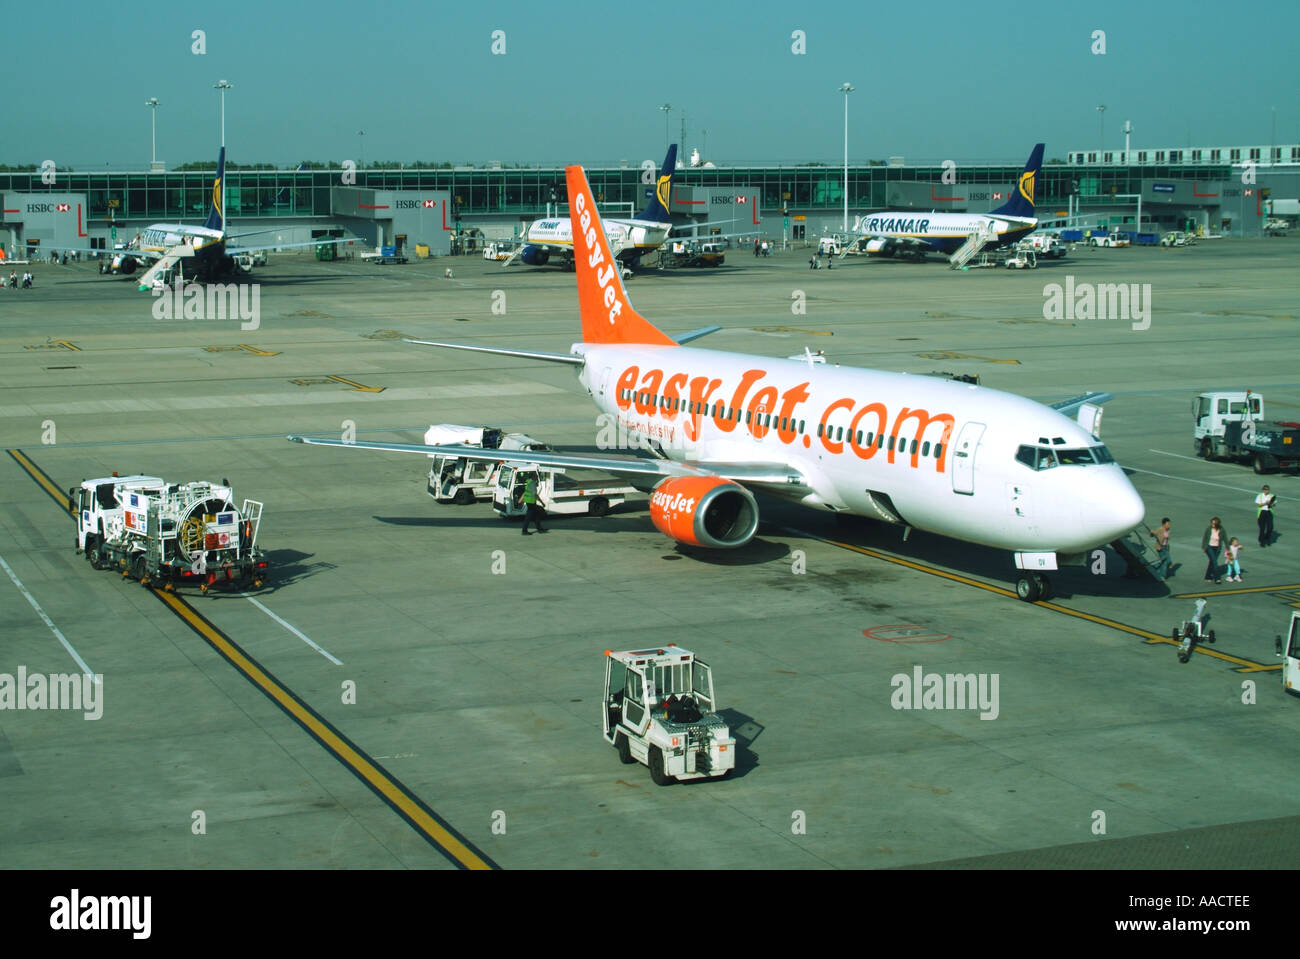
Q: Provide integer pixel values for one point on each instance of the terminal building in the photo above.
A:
(434, 207)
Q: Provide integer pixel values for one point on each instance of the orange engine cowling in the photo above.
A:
(704, 511)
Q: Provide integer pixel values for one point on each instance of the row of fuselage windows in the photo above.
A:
(1044, 458)
(834, 434)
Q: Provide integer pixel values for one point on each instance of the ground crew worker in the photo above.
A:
(532, 512)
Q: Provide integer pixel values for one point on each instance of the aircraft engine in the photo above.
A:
(127, 266)
(704, 511)
(535, 255)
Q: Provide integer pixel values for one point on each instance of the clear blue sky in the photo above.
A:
(582, 82)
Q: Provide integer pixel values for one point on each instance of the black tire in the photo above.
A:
(657, 773)
(624, 747)
(1210, 636)
(1026, 589)
(1203, 449)
(598, 506)
(139, 572)
(1258, 465)
(464, 496)
(1044, 586)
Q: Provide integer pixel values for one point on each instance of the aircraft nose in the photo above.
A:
(1120, 507)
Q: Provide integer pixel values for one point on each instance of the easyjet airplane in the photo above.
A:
(935, 454)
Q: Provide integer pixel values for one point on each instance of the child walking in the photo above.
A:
(1232, 556)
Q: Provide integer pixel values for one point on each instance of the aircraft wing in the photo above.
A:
(235, 251)
(907, 242)
(777, 475)
(1071, 406)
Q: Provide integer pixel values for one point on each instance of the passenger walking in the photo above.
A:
(532, 513)
(1264, 503)
(1212, 542)
(1161, 537)
(1232, 559)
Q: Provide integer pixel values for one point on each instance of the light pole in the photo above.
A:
(361, 134)
(1128, 131)
(1101, 130)
(846, 89)
(152, 104)
(223, 86)
(667, 108)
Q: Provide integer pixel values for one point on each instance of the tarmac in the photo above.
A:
(418, 686)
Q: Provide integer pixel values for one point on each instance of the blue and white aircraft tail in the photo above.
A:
(217, 216)
(1021, 203)
(656, 210)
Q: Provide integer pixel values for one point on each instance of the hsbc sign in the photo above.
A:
(414, 204)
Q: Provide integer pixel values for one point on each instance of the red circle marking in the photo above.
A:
(807, 441)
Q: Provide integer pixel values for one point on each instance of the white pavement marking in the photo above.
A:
(177, 401)
(86, 670)
(289, 626)
(1185, 479)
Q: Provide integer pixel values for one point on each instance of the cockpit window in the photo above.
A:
(1043, 457)
(1036, 457)
(1075, 457)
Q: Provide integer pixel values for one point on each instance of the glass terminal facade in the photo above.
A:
(166, 196)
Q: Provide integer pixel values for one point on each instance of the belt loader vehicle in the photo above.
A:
(453, 479)
(168, 533)
(555, 493)
(660, 710)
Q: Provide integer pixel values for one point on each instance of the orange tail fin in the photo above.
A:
(607, 314)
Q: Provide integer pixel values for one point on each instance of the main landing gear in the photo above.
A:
(1031, 587)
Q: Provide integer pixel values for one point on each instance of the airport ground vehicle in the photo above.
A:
(1044, 245)
(692, 253)
(386, 255)
(1109, 239)
(454, 479)
(556, 493)
(1176, 238)
(1019, 259)
(1289, 649)
(499, 249)
(659, 709)
(1192, 632)
(159, 532)
(1230, 426)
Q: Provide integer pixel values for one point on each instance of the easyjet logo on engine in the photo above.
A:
(672, 503)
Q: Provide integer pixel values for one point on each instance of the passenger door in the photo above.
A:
(963, 458)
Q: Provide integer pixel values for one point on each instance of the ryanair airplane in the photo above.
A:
(551, 240)
(909, 233)
(202, 251)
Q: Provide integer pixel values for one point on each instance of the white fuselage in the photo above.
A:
(931, 453)
(161, 237)
(638, 236)
(943, 231)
